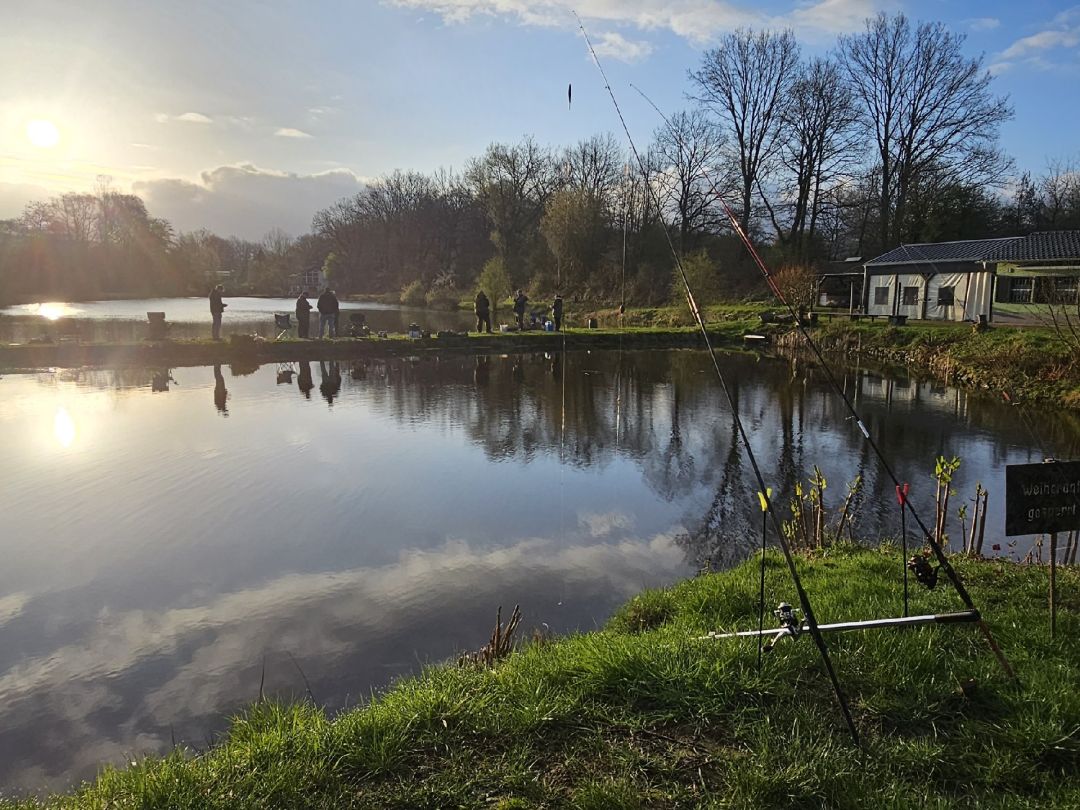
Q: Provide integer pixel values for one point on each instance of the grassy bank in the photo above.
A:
(1024, 364)
(643, 715)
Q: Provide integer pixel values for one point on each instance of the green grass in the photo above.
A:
(1027, 364)
(643, 715)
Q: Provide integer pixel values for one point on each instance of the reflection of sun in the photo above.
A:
(52, 311)
(42, 134)
(64, 427)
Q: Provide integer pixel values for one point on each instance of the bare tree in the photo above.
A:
(690, 150)
(817, 145)
(926, 106)
(743, 82)
(512, 184)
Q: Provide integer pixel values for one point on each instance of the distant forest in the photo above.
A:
(892, 138)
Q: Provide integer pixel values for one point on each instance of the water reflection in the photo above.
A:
(380, 523)
(330, 376)
(221, 393)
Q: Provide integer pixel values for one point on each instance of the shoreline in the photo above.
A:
(244, 349)
(646, 712)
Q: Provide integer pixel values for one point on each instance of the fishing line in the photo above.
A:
(804, 599)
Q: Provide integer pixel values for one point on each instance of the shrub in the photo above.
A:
(412, 294)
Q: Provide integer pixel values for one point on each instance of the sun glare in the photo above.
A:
(42, 134)
(64, 428)
(51, 311)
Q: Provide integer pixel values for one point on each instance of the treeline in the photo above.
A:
(81, 246)
(891, 138)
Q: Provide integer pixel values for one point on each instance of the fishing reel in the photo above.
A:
(790, 624)
(924, 573)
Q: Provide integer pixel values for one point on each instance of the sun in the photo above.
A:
(42, 134)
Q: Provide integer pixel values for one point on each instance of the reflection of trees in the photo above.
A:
(663, 412)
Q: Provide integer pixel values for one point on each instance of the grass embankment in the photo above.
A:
(643, 715)
(1026, 364)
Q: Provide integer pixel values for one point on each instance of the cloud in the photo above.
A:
(696, 20)
(830, 16)
(187, 118)
(1040, 49)
(616, 46)
(289, 132)
(246, 200)
(982, 23)
(194, 118)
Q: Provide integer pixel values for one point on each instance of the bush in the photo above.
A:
(412, 295)
(704, 278)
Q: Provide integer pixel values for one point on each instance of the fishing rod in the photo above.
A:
(791, 627)
(938, 552)
(804, 599)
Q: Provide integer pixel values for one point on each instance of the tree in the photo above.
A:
(512, 184)
(817, 146)
(495, 282)
(575, 227)
(798, 284)
(743, 82)
(689, 150)
(925, 106)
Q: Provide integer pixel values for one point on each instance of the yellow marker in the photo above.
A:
(761, 498)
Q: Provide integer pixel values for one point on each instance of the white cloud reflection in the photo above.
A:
(346, 626)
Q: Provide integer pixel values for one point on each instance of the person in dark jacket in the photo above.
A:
(520, 302)
(328, 311)
(483, 313)
(303, 315)
(217, 307)
(556, 311)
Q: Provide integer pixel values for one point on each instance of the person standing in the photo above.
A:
(303, 315)
(217, 307)
(335, 308)
(327, 305)
(556, 311)
(483, 313)
(520, 302)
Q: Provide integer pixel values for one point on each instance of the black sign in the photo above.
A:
(1042, 498)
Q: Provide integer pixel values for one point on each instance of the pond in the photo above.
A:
(125, 320)
(168, 533)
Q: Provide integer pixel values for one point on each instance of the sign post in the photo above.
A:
(1043, 498)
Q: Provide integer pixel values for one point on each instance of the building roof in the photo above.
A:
(1043, 246)
(970, 250)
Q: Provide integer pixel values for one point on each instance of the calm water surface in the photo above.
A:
(168, 531)
(190, 318)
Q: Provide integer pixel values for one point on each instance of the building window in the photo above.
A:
(911, 296)
(881, 296)
(946, 296)
(1020, 290)
(1065, 289)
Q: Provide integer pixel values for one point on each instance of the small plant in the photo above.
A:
(944, 470)
(499, 646)
(809, 527)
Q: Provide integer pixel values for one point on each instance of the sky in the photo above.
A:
(243, 116)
